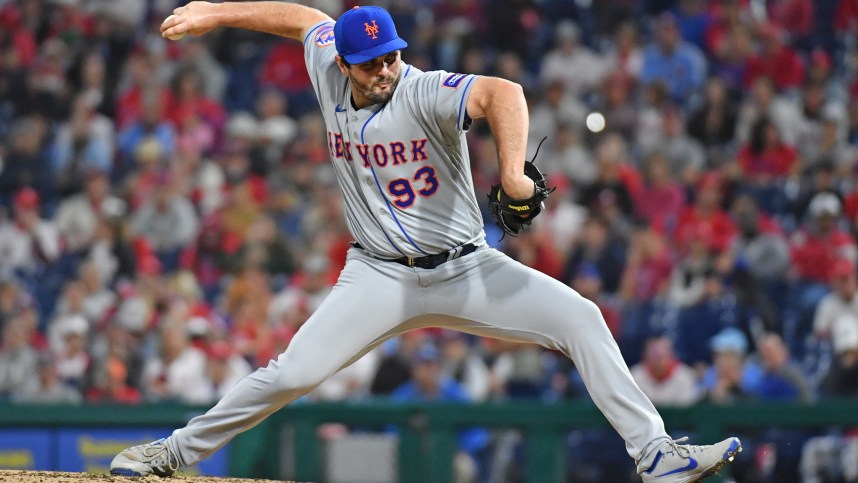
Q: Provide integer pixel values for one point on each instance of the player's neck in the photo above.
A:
(360, 101)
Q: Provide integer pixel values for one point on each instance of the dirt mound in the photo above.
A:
(57, 477)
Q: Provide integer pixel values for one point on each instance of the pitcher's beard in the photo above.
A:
(373, 93)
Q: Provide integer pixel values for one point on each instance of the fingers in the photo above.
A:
(174, 26)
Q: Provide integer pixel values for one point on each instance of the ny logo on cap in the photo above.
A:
(371, 29)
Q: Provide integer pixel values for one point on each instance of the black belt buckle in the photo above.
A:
(433, 261)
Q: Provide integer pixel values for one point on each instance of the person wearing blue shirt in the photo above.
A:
(428, 385)
(670, 60)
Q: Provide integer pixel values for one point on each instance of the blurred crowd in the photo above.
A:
(168, 217)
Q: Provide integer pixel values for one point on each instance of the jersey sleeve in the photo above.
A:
(319, 53)
(442, 100)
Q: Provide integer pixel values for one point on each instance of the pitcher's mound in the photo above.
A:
(57, 477)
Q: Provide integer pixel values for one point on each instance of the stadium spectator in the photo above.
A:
(716, 306)
(775, 60)
(72, 358)
(796, 17)
(17, 358)
(570, 157)
(694, 20)
(672, 61)
(762, 100)
(28, 243)
(574, 64)
(621, 114)
(841, 304)
(562, 220)
(714, 122)
(624, 56)
(46, 387)
(111, 387)
(98, 298)
(191, 103)
(731, 44)
(428, 385)
(85, 141)
(461, 361)
(766, 161)
(816, 247)
(178, 373)
(395, 366)
(732, 378)
(96, 93)
(77, 216)
(685, 155)
(661, 198)
(140, 94)
(665, 380)
(276, 128)
(691, 272)
(760, 244)
(26, 160)
(265, 248)
(196, 56)
(782, 379)
(761, 252)
(600, 246)
(223, 368)
(611, 193)
(167, 221)
(282, 69)
(151, 125)
(705, 219)
(842, 377)
(822, 178)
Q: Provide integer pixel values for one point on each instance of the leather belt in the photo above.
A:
(429, 261)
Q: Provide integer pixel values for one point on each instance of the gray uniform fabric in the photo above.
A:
(484, 293)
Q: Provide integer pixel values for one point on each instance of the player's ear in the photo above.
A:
(341, 65)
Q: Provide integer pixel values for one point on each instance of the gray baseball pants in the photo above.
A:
(485, 293)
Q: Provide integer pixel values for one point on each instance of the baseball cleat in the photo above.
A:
(685, 463)
(155, 458)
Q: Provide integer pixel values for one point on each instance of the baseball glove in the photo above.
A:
(513, 216)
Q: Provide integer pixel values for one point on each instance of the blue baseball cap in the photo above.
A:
(364, 33)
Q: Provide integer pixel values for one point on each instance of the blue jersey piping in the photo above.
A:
(462, 102)
(387, 201)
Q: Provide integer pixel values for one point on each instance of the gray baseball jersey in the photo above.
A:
(403, 166)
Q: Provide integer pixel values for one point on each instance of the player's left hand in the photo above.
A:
(514, 215)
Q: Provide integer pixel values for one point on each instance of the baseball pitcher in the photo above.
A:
(396, 138)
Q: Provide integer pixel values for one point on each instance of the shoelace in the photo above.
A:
(683, 450)
(155, 450)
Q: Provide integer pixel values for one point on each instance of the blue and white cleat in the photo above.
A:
(685, 463)
(155, 458)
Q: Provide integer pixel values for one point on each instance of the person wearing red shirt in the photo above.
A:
(775, 60)
(192, 105)
(796, 16)
(705, 218)
(816, 248)
(766, 157)
(661, 197)
(766, 161)
(115, 388)
(846, 18)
